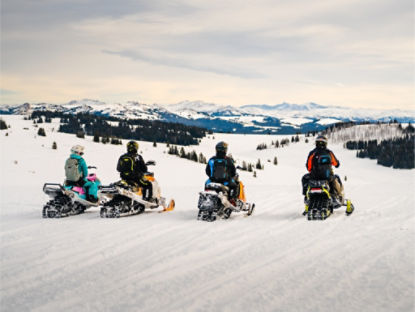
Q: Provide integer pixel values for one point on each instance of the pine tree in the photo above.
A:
(244, 167)
(182, 153)
(154, 144)
(193, 156)
(202, 158)
(54, 145)
(96, 137)
(275, 161)
(41, 132)
(80, 134)
(3, 124)
(258, 164)
(249, 167)
(254, 174)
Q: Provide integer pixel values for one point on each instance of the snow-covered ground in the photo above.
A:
(274, 260)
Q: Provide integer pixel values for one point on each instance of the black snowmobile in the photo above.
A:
(320, 203)
(214, 202)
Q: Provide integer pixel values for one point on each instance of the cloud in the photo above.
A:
(261, 49)
(186, 63)
(7, 92)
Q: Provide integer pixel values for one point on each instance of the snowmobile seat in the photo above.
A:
(318, 183)
(53, 189)
(217, 187)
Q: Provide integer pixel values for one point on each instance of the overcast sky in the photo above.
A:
(357, 53)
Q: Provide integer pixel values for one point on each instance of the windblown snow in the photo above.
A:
(274, 260)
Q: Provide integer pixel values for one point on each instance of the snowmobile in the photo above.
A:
(320, 203)
(124, 199)
(214, 202)
(67, 200)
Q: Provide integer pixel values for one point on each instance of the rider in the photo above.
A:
(319, 164)
(221, 169)
(132, 169)
(76, 172)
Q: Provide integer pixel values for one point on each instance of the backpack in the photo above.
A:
(72, 171)
(126, 165)
(322, 166)
(220, 172)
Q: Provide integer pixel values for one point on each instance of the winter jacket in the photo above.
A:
(315, 154)
(230, 168)
(139, 167)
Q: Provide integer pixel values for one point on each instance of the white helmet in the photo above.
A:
(77, 149)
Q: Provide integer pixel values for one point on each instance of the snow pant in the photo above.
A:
(232, 185)
(304, 182)
(91, 189)
(337, 186)
(147, 187)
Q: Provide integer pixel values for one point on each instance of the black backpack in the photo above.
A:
(220, 170)
(322, 166)
(126, 166)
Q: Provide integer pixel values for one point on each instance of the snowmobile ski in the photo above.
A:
(170, 207)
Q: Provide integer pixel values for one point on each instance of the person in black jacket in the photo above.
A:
(319, 165)
(132, 168)
(221, 169)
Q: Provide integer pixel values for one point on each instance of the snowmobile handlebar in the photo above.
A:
(151, 163)
(53, 184)
(92, 167)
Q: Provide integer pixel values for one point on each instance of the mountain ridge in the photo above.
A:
(281, 118)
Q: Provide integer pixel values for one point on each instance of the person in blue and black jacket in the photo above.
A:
(221, 169)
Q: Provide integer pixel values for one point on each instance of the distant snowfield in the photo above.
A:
(274, 260)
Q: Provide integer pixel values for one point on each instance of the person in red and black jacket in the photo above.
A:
(319, 165)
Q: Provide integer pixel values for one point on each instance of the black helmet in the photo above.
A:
(222, 147)
(132, 147)
(321, 141)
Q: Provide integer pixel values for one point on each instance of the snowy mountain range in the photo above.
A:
(284, 118)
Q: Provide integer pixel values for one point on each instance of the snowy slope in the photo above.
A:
(274, 260)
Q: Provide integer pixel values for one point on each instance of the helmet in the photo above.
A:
(222, 147)
(77, 149)
(132, 147)
(321, 141)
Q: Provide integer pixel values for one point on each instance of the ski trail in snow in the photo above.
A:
(274, 260)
